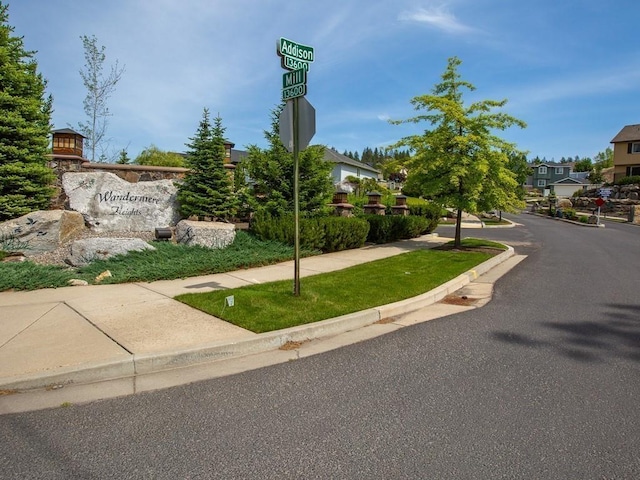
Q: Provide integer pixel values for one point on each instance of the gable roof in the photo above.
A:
(330, 155)
(629, 133)
(570, 180)
(552, 164)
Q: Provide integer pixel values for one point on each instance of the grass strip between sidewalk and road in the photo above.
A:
(272, 306)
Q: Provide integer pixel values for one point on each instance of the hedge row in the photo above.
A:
(332, 234)
(390, 228)
(328, 234)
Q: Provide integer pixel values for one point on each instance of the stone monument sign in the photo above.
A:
(109, 203)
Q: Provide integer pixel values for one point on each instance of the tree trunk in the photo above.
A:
(458, 242)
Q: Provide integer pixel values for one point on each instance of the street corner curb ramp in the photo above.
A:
(141, 364)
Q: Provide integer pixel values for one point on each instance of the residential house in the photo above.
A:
(345, 167)
(545, 174)
(558, 178)
(626, 152)
(569, 185)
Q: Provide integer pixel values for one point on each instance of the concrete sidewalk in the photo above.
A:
(77, 344)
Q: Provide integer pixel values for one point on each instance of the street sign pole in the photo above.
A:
(296, 58)
(296, 199)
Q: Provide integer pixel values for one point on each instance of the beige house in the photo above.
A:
(626, 152)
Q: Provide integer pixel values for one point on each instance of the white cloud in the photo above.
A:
(437, 17)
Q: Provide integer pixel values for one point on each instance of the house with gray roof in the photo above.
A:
(345, 167)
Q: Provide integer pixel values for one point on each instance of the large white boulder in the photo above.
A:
(109, 203)
(41, 231)
(87, 250)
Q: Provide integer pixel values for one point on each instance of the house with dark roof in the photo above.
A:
(345, 167)
(545, 174)
(558, 178)
(626, 152)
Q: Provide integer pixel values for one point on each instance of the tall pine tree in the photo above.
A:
(25, 124)
(207, 188)
(271, 171)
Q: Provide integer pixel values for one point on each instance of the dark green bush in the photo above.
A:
(390, 228)
(328, 234)
(266, 227)
(344, 233)
(432, 212)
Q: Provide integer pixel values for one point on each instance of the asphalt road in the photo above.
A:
(541, 383)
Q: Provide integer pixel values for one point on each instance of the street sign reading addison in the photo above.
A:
(287, 48)
(295, 56)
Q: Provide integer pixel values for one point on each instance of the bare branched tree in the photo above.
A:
(99, 87)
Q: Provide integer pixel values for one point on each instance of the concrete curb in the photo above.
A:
(142, 364)
(87, 373)
(566, 220)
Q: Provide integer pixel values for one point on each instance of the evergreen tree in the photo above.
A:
(271, 170)
(367, 156)
(123, 157)
(25, 124)
(459, 162)
(207, 188)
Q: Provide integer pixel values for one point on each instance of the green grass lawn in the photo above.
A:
(272, 306)
(495, 222)
(167, 262)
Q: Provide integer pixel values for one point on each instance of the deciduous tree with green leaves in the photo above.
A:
(271, 171)
(460, 162)
(152, 155)
(25, 125)
(207, 187)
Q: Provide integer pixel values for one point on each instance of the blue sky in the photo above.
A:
(570, 69)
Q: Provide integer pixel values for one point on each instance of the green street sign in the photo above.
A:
(287, 48)
(295, 56)
(290, 63)
(293, 92)
(296, 77)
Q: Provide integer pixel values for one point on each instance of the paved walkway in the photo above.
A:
(83, 343)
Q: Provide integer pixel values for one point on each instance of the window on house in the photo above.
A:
(635, 148)
(559, 170)
(633, 171)
(542, 170)
(542, 183)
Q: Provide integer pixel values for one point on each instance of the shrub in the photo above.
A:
(343, 233)
(385, 229)
(628, 180)
(570, 214)
(328, 234)
(583, 219)
(431, 211)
